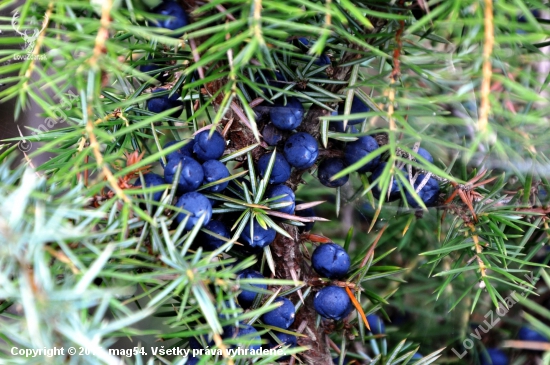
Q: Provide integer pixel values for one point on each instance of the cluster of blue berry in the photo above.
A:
(495, 356)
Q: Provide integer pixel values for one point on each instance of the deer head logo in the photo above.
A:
(30, 40)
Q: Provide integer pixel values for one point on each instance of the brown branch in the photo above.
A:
(487, 68)
(38, 44)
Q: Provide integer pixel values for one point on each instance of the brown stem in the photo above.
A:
(288, 258)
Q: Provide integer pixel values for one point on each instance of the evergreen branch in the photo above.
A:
(487, 67)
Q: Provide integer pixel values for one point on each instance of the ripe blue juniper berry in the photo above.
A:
(152, 68)
(355, 151)
(272, 135)
(281, 169)
(331, 261)
(206, 148)
(494, 356)
(285, 339)
(322, 60)
(287, 116)
(357, 106)
(528, 334)
(282, 316)
(214, 170)
(197, 205)
(376, 324)
(425, 154)
(395, 187)
(301, 150)
(243, 330)
(210, 242)
(308, 212)
(262, 237)
(429, 193)
(186, 150)
(338, 127)
(246, 297)
(333, 302)
(330, 167)
(158, 104)
(191, 175)
(152, 180)
(176, 17)
(278, 190)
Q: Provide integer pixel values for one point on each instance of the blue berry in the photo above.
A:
(171, 155)
(270, 81)
(394, 188)
(359, 149)
(543, 195)
(209, 242)
(330, 167)
(278, 190)
(262, 237)
(282, 316)
(246, 297)
(272, 135)
(494, 357)
(304, 41)
(152, 180)
(429, 193)
(186, 150)
(333, 302)
(177, 17)
(197, 205)
(281, 169)
(301, 150)
(527, 334)
(152, 69)
(357, 106)
(339, 128)
(244, 330)
(192, 360)
(376, 324)
(209, 148)
(214, 170)
(159, 104)
(331, 261)
(287, 117)
(191, 176)
(322, 60)
(308, 212)
(226, 311)
(285, 340)
(425, 154)
(417, 356)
